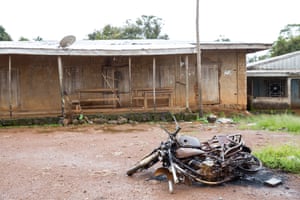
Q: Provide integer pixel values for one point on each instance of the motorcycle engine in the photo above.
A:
(207, 169)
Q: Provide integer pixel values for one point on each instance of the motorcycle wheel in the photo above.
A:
(252, 165)
(246, 149)
(145, 163)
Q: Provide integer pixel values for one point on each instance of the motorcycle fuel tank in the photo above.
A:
(188, 141)
(189, 146)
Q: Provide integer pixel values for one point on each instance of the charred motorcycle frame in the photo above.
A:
(185, 160)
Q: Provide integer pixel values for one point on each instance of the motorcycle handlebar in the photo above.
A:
(177, 129)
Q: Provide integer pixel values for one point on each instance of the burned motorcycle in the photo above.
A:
(186, 160)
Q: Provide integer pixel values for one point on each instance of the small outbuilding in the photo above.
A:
(43, 79)
(275, 83)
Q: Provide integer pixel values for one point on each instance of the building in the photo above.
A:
(119, 76)
(275, 83)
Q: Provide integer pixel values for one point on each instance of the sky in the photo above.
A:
(238, 20)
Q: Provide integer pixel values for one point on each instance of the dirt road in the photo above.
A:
(90, 162)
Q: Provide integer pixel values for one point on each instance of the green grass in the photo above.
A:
(285, 157)
(282, 122)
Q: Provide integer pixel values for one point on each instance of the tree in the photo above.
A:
(146, 27)
(107, 33)
(151, 27)
(4, 36)
(290, 30)
(132, 31)
(256, 58)
(288, 40)
(23, 39)
(38, 38)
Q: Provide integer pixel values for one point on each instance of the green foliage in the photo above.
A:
(151, 27)
(38, 38)
(282, 122)
(288, 40)
(256, 58)
(202, 119)
(285, 157)
(131, 31)
(222, 114)
(146, 27)
(290, 30)
(108, 32)
(23, 39)
(4, 36)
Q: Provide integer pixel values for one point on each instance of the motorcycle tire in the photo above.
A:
(246, 149)
(253, 165)
(145, 163)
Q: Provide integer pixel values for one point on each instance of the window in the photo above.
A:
(269, 87)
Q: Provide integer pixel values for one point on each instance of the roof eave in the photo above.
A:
(270, 73)
(125, 48)
(249, 47)
(98, 52)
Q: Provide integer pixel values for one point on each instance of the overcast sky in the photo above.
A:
(238, 20)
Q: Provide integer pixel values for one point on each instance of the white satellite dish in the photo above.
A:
(67, 41)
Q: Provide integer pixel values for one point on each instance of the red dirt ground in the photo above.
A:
(90, 162)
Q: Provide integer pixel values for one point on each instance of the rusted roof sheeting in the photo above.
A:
(121, 47)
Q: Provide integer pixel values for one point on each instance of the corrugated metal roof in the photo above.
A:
(273, 73)
(120, 47)
(287, 62)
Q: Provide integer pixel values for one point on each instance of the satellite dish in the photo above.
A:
(67, 41)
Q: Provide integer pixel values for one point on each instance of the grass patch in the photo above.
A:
(285, 157)
(202, 119)
(282, 122)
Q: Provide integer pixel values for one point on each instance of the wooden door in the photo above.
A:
(210, 84)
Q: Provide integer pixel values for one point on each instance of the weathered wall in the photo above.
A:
(165, 72)
(170, 72)
(36, 83)
(82, 72)
(232, 77)
(4, 98)
(269, 103)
